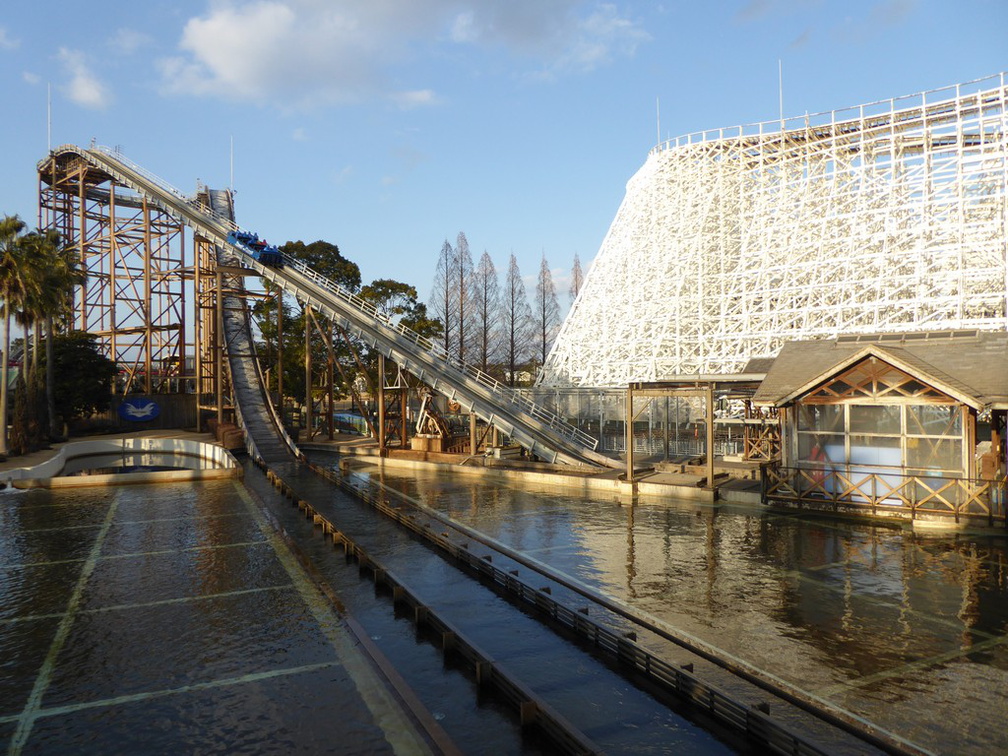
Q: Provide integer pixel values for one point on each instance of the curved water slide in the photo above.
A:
(264, 433)
(540, 431)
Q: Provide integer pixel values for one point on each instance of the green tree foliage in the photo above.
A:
(13, 284)
(83, 375)
(399, 301)
(18, 442)
(325, 258)
(57, 274)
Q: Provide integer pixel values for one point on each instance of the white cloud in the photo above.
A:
(344, 174)
(299, 135)
(128, 41)
(84, 87)
(299, 53)
(271, 50)
(415, 99)
(598, 38)
(7, 42)
(30, 78)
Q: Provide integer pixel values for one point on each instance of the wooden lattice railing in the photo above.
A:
(889, 492)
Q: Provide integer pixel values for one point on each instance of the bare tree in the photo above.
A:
(517, 317)
(486, 306)
(547, 310)
(443, 301)
(463, 293)
(577, 278)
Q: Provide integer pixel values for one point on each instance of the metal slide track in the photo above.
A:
(543, 433)
(265, 437)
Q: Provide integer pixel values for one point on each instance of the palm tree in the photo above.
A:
(13, 284)
(52, 274)
(61, 274)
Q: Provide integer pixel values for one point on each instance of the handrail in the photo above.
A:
(874, 114)
(542, 424)
(557, 424)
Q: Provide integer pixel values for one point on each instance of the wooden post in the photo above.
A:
(666, 428)
(472, 433)
(200, 344)
(710, 436)
(629, 434)
(219, 349)
(280, 351)
(381, 405)
(332, 379)
(404, 396)
(307, 373)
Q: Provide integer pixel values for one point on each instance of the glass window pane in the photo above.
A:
(875, 418)
(934, 420)
(821, 417)
(926, 454)
(824, 448)
(875, 451)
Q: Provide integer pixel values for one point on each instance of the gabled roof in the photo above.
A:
(969, 366)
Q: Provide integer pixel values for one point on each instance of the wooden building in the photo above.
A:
(909, 425)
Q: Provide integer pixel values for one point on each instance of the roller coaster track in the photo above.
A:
(540, 431)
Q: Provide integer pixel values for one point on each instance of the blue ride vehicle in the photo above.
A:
(265, 253)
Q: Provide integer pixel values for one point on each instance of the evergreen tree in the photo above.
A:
(325, 258)
(83, 375)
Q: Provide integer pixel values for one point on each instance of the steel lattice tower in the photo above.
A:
(888, 217)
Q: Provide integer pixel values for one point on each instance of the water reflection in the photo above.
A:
(128, 461)
(890, 624)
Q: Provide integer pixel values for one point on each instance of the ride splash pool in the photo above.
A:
(118, 461)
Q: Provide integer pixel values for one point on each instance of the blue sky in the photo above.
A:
(388, 126)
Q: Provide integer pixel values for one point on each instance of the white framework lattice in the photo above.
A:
(887, 217)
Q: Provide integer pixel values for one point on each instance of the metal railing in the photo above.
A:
(534, 712)
(680, 682)
(504, 394)
(218, 225)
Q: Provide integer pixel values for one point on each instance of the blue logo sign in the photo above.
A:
(139, 409)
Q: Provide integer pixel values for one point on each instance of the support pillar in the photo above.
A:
(219, 348)
(280, 371)
(404, 426)
(629, 435)
(381, 405)
(710, 435)
(308, 369)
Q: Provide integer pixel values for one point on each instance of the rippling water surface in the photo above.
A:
(163, 619)
(905, 629)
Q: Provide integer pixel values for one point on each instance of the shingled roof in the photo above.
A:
(970, 366)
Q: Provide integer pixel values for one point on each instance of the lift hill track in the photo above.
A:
(540, 431)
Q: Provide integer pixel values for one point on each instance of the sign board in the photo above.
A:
(138, 409)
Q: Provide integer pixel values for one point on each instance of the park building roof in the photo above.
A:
(969, 366)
